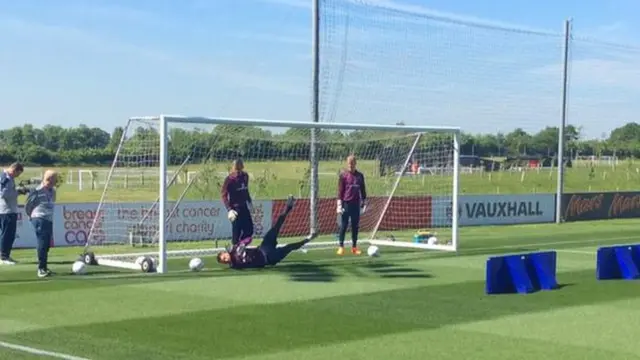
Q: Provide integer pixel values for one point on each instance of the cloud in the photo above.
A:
(606, 73)
(77, 36)
(604, 85)
(150, 18)
(228, 74)
(612, 29)
(597, 66)
(615, 32)
(112, 11)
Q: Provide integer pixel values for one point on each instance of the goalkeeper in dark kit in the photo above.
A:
(267, 253)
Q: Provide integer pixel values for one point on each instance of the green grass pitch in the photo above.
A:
(402, 305)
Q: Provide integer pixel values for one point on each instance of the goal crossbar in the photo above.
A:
(294, 124)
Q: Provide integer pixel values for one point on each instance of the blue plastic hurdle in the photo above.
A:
(521, 273)
(618, 262)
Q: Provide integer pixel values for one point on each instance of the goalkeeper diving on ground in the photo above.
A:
(267, 253)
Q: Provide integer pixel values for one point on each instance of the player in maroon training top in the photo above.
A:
(237, 200)
(267, 253)
(352, 195)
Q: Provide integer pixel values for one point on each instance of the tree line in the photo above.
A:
(92, 146)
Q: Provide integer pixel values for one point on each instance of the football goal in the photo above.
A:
(178, 212)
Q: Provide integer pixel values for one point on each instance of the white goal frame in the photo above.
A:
(165, 120)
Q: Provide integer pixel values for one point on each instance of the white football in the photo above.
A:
(196, 264)
(433, 240)
(79, 268)
(372, 251)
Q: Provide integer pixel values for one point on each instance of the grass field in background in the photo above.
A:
(278, 179)
(409, 305)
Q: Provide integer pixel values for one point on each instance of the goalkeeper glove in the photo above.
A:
(339, 208)
(232, 215)
(363, 208)
(240, 248)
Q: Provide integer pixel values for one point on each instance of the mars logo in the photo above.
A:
(624, 204)
(581, 204)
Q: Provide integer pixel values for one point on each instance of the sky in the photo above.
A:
(484, 66)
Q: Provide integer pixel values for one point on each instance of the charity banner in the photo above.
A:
(115, 223)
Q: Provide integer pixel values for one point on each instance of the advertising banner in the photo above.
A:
(495, 209)
(600, 206)
(192, 220)
(25, 235)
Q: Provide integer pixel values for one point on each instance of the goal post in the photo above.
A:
(411, 173)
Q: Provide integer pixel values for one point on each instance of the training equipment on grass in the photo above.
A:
(618, 262)
(78, 267)
(423, 236)
(160, 217)
(373, 251)
(521, 273)
(196, 264)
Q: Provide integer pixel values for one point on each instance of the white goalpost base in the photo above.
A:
(199, 150)
(119, 260)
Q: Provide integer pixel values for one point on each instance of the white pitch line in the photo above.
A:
(34, 351)
(545, 244)
(581, 252)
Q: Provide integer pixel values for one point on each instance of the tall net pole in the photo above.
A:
(315, 114)
(563, 121)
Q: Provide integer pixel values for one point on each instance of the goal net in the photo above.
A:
(178, 212)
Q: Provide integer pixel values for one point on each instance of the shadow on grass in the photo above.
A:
(391, 270)
(562, 286)
(312, 322)
(559, 287)
(307, 271)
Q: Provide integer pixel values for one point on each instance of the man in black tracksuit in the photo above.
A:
(9, 210)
